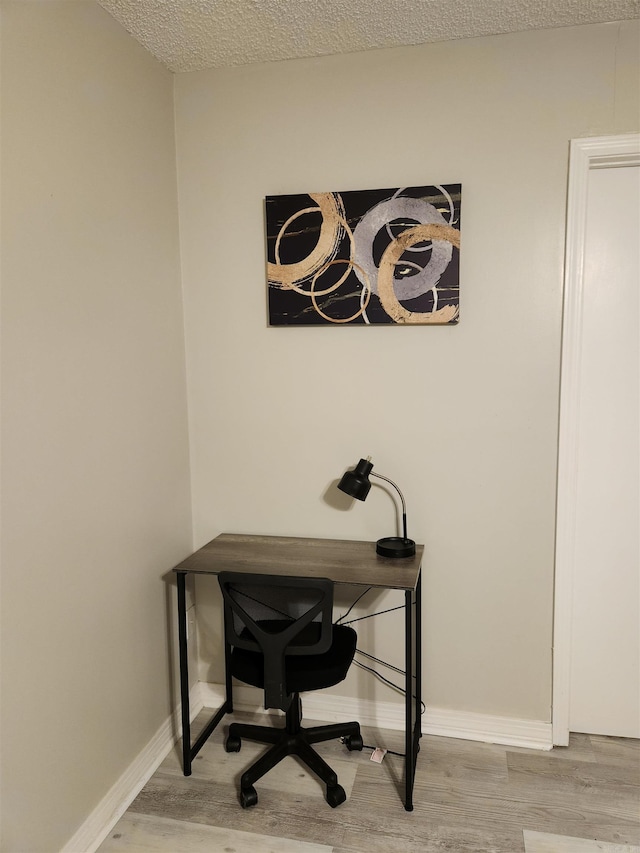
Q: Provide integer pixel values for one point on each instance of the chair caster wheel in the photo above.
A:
(335, 795)
(248, 797)
(353, 742)
(232, 744)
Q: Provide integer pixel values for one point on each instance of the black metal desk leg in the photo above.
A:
(418, 662)
(184, 674)
(227, 673)
(409, 755)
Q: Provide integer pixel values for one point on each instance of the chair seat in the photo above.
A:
(302, 672)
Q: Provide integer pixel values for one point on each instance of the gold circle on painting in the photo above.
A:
(288, 276)
(390, 258)
(350, 264)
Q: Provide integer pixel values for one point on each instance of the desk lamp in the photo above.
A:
(356, 484)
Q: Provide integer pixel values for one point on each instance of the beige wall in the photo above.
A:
(464, 418)
(95, 461)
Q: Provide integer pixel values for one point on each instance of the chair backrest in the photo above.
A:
(277, 616)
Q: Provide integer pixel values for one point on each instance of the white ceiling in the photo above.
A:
(188, 35)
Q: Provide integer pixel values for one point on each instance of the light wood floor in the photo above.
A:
(468, 797)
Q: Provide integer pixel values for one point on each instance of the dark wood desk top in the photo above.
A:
(341, 560)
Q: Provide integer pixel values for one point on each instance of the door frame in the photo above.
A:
(600, 152)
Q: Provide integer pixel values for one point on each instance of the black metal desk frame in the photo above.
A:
(344, 562)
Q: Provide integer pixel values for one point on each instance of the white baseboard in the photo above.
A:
(114, 804)
(487, 728)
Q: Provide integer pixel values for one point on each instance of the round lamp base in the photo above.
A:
(395, 546)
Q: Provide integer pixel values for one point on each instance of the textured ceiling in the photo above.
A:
(187, 35)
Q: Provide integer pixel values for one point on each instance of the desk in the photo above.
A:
(343, 562)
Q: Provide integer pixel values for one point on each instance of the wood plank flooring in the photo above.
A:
(468, 796)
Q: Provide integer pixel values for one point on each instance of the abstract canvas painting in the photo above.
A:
(364, 257)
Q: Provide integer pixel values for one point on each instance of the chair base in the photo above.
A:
(293, 739)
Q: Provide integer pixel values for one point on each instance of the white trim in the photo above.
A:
(317, 706)
(585, 154)
(487, 728)
(327, 707)
(117, 800)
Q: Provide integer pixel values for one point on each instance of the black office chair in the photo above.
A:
(283, 641)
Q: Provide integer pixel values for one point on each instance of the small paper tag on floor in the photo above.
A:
(378, 754)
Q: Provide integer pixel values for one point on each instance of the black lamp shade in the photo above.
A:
(356, 483)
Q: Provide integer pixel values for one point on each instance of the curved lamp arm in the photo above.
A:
(404, 506)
